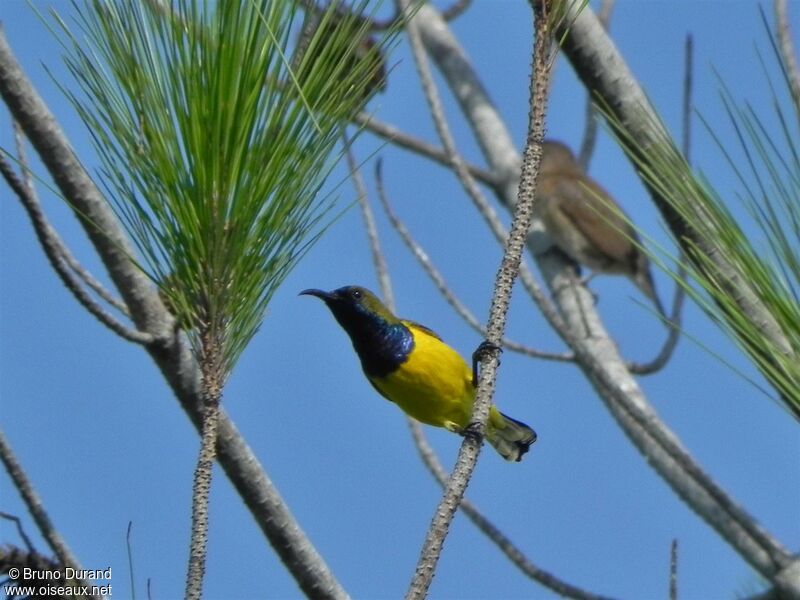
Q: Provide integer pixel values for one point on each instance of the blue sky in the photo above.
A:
(103, 439)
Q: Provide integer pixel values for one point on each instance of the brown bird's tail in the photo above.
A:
(511, 438)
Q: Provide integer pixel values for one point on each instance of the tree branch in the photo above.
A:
(590, 128)
(421, 147)
(507, 273)
(72, 262)
(786, 48)
(673, 335)
(56, 252)
(378, 258)
(680, 293)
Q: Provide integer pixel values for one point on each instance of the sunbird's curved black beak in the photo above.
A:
(318, 293)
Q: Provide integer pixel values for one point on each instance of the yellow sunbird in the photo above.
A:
(411, 366)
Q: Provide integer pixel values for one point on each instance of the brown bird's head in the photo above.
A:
(557, 157)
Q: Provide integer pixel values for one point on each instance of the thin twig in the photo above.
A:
(54, 251)
(673, 327)
(378, 258)
(409, 142)
(438, 280)
(590, 129)
(213, 381)
(58, 244)
(688, 89)
(22, 157)
(674, 323)
(20, 530)
(129, 552)
(673, 570)
(787, 49)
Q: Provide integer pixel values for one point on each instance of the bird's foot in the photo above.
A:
(474, 431)
(450, 426)
(484, 349)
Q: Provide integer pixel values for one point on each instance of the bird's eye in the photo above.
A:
(356, 294)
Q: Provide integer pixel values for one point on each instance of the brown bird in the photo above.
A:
(586, 224)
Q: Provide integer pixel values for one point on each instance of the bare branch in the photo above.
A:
(20, 529)
(674, 332)
(174, 359)
(505, 167)
(129, 553)
(378, 259)
(688, 88)
(55, 250)
(786, 47)
(680, 292)
(69, 259)
(403, 140)
(212, 384)
(509, 269)
(440, 283)
(602, 68)
(81, 193)
(19, 142)
(673, 570)
(590, 129)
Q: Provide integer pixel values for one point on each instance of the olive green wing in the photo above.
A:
(427, 330)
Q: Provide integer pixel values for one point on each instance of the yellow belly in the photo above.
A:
(433, 386)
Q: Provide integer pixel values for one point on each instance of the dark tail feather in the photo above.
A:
(513, 440)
